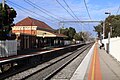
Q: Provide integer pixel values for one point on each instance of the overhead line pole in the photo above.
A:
(109, 34)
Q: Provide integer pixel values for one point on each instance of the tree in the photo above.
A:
(7, 15)
(64, 31)
(86, 36)
(78, 36)
(70, 32)
(98, 29)
(82, 36)
(112, 24)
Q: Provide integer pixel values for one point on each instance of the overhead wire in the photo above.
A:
(23, 10)
(65, 9)
(70, 9)
(40, 9)
(118, 10)
(43, 9)
(87, 9)
(73, 13)
(28, 10)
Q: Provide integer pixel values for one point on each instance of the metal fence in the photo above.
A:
(8, 48)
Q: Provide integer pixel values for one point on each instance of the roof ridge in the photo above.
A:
(28, 21)
(33, 20)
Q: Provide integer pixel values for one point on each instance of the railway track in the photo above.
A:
(51, 70)
(68, 60)
(48, 69)
(67, 72)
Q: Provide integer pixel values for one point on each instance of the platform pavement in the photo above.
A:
(105, 67)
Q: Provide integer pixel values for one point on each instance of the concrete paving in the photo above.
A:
(109, 67)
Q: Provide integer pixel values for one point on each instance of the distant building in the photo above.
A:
(32, 33)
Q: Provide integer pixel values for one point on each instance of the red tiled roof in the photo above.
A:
(59, 35)
(33, 22)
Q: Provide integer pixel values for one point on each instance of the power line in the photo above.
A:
(73, 13)
(87, 9)
(40, 9)
(76, 18)
(23, 10)
(70, 9)
(28, 10)
(118, 10)
(43, 9)
(65, 9)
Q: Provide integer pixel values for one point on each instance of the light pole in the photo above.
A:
(108, 35)
(103, 29)
(3, 4)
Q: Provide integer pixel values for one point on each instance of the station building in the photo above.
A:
(32, 33)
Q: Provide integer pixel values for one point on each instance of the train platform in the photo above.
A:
(97, 65)
(27, 53)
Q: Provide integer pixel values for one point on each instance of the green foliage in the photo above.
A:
(64, 31)
(98, 29)
(78, 36)
(112, 24)
(70, 32)
(7, 15)
(82, 36)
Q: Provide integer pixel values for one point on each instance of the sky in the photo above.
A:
(96, 8)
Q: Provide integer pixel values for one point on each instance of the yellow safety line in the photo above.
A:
(93, 68)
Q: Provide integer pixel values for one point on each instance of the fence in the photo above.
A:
(67, 42)
(114, 47)
(8, 48)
